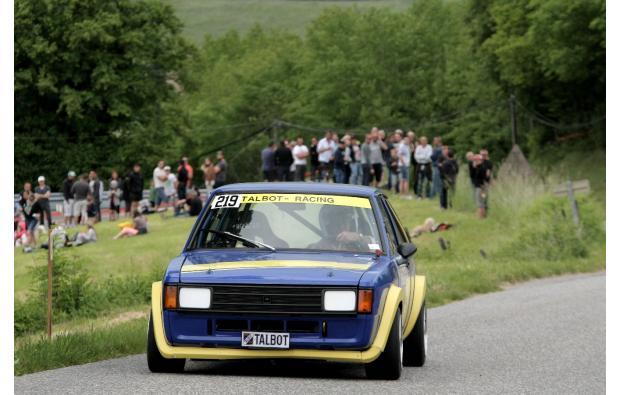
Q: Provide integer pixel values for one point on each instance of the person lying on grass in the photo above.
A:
(85, 237)
(138, 227)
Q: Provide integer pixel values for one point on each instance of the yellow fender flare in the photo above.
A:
(419, 294)
(393, 300)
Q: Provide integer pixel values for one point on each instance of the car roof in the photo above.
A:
(299, 187)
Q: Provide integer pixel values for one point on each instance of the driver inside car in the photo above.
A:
(339, 231)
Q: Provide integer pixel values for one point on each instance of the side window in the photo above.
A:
(401, 234)
(388, 225)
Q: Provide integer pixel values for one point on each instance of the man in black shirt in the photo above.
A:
(136, 186)
(481, 189)
(283, 159)
(68, 198)
(448, 170)
(191, 205)
(486, 163)
(42, 195)
(314, 160)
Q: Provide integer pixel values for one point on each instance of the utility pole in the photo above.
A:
(513, 119)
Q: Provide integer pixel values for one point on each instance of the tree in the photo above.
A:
(90, 76)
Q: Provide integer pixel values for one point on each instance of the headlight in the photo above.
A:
(195, 298)
(339, 301)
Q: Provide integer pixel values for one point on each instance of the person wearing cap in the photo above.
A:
(42, 195)
(68, 200)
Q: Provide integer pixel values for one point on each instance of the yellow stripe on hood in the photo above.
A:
(272, 264)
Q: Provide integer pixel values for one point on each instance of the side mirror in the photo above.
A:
(407, 249)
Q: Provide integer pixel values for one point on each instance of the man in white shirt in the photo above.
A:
(159, 179)
(326, 152)
(300, 153)
(422, 156)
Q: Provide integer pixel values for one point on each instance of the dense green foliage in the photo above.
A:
(90, 84)
(91, 76)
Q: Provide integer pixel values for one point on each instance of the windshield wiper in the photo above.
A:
(255, 244)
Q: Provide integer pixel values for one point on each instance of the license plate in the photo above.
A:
(264, 339)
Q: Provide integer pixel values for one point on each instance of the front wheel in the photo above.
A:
(389, 365)
(157, 363)
(415, 344)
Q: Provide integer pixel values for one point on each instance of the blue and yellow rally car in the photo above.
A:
(292, 270)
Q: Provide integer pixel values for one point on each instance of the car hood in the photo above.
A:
(278, 268)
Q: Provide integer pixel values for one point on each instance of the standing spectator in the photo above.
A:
(448, 168)
(414, 165)
(356, 159)
(115, 195)
(339, 163)
(481, 190)
(136, 187)
(27, 206)
(404, 161)
(469, 156)
(220, 170)
(159, 179)
(190, 171)
(68, 198)
(42, 195)
(333, 143)
(376, 147)
(314, 160)
(267, 156)
(126, 193)
(96, 188)
(347, 157)
(365, 160)
(283, 159)
(392, 166)
(291, 169)
(325, 152)
(208, 172)
(182, 180)
(170, 186)
(486, 163)
(423, 154)
(80, 190)
(436, 158)
(300, 153)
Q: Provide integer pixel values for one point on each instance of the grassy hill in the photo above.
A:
(218, 16)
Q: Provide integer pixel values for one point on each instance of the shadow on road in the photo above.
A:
(277, 368)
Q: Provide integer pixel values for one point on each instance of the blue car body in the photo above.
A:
(216, 333)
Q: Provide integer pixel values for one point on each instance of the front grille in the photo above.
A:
(267, 299)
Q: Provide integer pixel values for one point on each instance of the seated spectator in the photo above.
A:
(138, 227)
(91, 209)
(191, 205)
(89, 236)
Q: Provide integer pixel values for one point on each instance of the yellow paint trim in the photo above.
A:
(393, 299)
(304, 198)
(419, 294)
(201, 267)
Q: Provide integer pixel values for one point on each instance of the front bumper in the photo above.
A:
(393, 299)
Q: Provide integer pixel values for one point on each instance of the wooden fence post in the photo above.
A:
(574, 207)
(50, 265)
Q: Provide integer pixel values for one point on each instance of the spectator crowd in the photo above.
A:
(401, 162)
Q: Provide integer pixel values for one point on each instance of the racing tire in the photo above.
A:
(389, 365)
(415, 344)
(157, 363)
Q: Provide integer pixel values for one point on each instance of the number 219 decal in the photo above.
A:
(224, 201)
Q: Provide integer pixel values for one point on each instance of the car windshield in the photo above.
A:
(289, 221)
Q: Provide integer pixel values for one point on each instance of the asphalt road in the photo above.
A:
(545, 336)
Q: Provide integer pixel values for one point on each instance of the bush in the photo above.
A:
(74, 295)
(546, 230)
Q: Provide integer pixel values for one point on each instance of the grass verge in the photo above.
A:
(81, 347)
